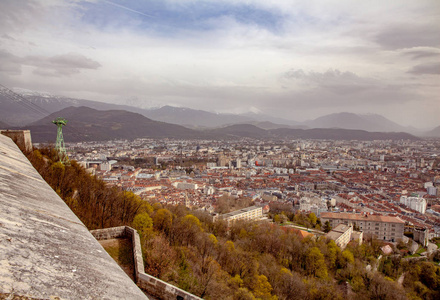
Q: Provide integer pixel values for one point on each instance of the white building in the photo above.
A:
(428, 184)
(432, 191)
(248, 213)
(185, 185)
(307, 203)
(209, 190)
(342, 235)
(211, 165)
(416, 203)
(382, 227)
(304, 204)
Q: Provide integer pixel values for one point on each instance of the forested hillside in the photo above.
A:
(248, 261)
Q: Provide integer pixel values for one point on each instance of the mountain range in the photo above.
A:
(20, 113)
(87, 124)
(368, 122)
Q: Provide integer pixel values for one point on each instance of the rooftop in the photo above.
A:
(361, 217)
(240, 211)
(336, 232)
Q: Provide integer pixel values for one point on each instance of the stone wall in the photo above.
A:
(109, 233)
(152, 285)
(22, 138)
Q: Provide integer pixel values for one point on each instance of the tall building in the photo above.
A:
(415, 203)
(238, 163)
(222, 161)
(382, 227)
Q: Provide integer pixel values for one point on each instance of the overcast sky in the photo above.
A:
(294, 59)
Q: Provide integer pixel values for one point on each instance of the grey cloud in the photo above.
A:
(74, 60)
(7, 37)
(63, 65)
(16, 15)
(417, 54)
(320, 77)
(409, 36)
(47, 72)
(333, 80)
(432, 68)
(59, 65)
(296, 74)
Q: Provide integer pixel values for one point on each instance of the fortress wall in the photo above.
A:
(152, 285)
(22, 138)
(108, 233)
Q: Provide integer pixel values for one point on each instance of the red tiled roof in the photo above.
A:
(359, 217)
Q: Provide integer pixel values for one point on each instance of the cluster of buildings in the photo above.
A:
(387, 228)
(388, 187)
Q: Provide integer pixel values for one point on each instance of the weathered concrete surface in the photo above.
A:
(45, 250)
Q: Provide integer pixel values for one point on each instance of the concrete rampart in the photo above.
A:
(152, 285)
(22, 138)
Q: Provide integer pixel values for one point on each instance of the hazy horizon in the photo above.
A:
(293, 59)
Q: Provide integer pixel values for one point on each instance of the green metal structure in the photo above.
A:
(59, 145)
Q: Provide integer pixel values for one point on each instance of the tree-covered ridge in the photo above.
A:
(247, 261)
(94, 203)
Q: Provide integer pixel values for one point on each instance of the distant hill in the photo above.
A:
(87, 124)
(3, 125)
(270, 125)
(260, 117)
(340, 134)
(344, 120)
(252, 131)
(433, 133)
(192, 117)
(239, 130)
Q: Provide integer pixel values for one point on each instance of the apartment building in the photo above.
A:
(417, 203)
(382, 227)
(341, 234)
(248, 213)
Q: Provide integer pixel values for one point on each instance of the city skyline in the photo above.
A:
(291, 59)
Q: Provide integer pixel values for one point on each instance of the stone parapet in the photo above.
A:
(108, 233)
(22, 138)
(152, 285)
